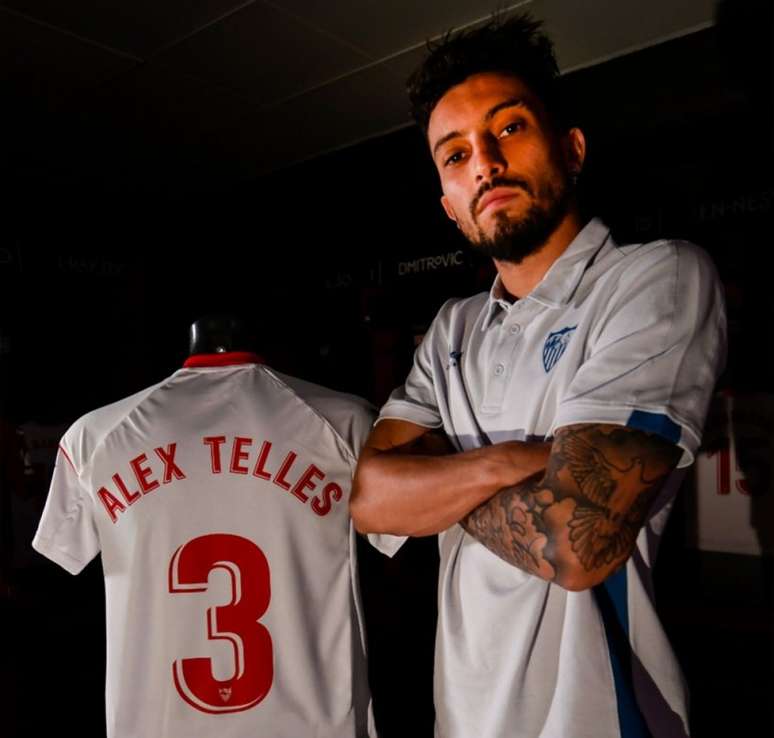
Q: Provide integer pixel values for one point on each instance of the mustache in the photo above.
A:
(498, 182)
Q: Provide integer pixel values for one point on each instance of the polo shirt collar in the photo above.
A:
(563, 277)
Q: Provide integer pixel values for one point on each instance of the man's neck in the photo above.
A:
(520, 279)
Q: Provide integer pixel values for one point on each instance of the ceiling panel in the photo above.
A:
(240, 89)
(383, 28)
(139, 27)
(353, 108)
(41, 66)
(263, 53)
(156, 130)
(590, 32)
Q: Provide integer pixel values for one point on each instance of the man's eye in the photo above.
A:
(517, 125)
(455, 158)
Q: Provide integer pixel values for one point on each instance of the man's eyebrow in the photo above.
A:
(513, 102)
(443, 139)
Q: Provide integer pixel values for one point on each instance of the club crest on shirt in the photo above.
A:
(555, 345)
(454, 358)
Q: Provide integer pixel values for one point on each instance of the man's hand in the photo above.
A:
(578, 522)
(407, 484)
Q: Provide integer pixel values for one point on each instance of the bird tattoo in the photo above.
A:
(604, 528)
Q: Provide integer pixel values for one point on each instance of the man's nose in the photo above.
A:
(489, 159)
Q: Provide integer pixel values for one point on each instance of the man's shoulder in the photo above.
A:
(665, 253)
(673, 264)
(465, 308)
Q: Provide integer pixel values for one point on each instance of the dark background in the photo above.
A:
(98, 287)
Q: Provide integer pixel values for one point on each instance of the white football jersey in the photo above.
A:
(218, 499)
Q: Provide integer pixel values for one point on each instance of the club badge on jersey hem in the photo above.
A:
(227, 358)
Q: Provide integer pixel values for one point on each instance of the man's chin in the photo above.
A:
(511, 243)
(508, 251)
(511, 238)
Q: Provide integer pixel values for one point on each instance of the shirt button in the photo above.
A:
(499, 369)
(515, 328)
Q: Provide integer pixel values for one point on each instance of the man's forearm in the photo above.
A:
(577, 522)
(511, 525)
(416, 494)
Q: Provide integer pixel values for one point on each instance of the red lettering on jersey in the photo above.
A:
(111, 503)
(305, 482)
(259, 470)
(238, 455)
(130, 497)
(170, 468)
(279, 477)
(214, 442)
(142, 474)
(323, 507)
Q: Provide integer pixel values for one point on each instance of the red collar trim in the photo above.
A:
(225, 359)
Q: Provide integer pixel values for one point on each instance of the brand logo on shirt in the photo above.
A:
(454, 358)
(555, 345)
(225, 693)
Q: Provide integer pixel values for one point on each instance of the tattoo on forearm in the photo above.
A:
(589, 505)
(511, 525)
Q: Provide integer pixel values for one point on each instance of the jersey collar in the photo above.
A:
(562, 279)
(228, 358)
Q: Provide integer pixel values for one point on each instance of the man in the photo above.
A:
(574, 393)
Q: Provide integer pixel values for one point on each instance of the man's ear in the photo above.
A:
(574, 150)
(448, 208)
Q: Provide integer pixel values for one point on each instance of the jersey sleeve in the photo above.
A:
(416, 400)
(350, 416)
(67, 532)
(653, 359)
(355, 425)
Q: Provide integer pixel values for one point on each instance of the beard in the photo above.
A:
(515, 239)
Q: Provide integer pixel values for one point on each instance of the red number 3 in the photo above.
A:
(235, 622)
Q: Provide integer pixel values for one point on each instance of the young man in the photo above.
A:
(574, 395)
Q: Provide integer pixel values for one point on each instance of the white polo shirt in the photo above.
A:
(219, 501)
(630, 335)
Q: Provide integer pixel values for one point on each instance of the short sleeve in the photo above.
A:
(654, 358)
(67, 532)
(350, 416)
(416, 400)
(357, 426)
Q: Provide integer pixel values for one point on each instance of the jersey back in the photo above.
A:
(218, 500)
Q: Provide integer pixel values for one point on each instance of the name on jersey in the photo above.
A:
(238, 455)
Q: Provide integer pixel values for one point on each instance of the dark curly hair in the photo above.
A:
(515, 45)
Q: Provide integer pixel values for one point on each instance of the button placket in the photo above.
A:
(510, 333)
(499, 373)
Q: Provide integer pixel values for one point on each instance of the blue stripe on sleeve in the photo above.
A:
(657, 423)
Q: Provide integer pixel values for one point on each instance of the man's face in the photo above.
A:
(505, 171)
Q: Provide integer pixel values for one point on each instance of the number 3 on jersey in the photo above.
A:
(235, 622)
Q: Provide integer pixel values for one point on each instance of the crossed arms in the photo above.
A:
(568, 511)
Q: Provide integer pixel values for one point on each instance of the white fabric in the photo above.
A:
(185, 555)
(630, 335)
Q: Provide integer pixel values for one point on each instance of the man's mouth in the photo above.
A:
(495, 197)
